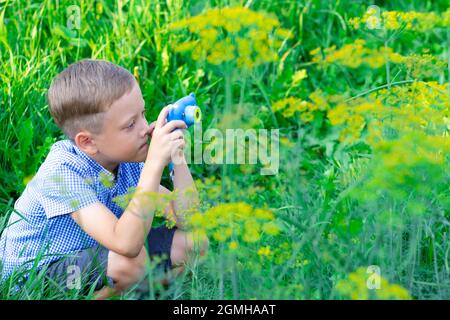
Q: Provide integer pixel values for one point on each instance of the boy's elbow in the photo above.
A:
(128, 251)
(132, 253)
(123, 245)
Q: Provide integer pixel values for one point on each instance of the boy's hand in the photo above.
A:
(151, 128)
(165, 141)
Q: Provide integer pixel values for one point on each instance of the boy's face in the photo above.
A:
(125, 133)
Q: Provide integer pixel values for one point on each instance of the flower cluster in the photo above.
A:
(414, 163)
(410, 142)
(210, 190)
(288, 106)
(355, 287)
(234, 223)
(393, 20)
(98, 9)
(352, 117)
(424, 65)
(160, 201)
(407, 130)
(317, 102)
(233, 34)
(420, 106)
(353, 55)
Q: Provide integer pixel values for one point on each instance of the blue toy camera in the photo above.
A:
(185, 109)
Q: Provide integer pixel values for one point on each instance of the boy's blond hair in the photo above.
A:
(80, 95)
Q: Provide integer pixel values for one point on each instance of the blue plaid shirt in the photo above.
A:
(41, 225)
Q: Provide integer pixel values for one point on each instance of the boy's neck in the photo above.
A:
(110, 166)
(115, 171)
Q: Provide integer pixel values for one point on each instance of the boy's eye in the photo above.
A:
(131, 125)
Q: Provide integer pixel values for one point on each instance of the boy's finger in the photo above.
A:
(172, 125)
(162, 117)
(177, 134)
(151, 128)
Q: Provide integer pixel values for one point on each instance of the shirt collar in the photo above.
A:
(98, 168)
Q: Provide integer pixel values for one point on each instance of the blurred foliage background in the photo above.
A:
(359, 94)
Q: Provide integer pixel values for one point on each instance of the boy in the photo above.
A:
(68, 209)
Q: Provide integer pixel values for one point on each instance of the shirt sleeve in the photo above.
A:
(66, 190)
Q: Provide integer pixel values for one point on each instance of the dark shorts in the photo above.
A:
(88, 267)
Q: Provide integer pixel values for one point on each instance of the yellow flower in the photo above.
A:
(218, 30)
(393, 291)
(288, 106)
(300, 263)
(301, 105)
(225, 221)
(286, 142)
(244, 47)
(209, 34)
(280, 105)
(98, 9)
(390, 20)
(299, 76)
(375, 61)
(263, 214)
(197, 220)
(185, 46)
(356, 122)
(243, 210)
(284, 33)
(307, 117)
(251, 231)
(356, 287)
(271, 228)
(232, 27)
(233, 245)
(264, 251)
(355, 23)
(219, 236)
(355, 54)
(288, 112)
(338, 115)
(251, 236)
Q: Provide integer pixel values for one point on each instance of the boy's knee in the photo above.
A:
(203, 244)
(196, 243)
(126, 271)
(185, 243)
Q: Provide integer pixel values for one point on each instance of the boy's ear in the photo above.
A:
(85, 142)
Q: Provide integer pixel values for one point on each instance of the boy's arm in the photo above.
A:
(127, 235)
(187, 192)
(184, 200)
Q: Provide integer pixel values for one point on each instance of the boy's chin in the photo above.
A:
(141, 157)
(137, 158)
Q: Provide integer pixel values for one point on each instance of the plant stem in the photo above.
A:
(378, 88)
(388, 66)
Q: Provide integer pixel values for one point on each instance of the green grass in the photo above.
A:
(331, 230)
